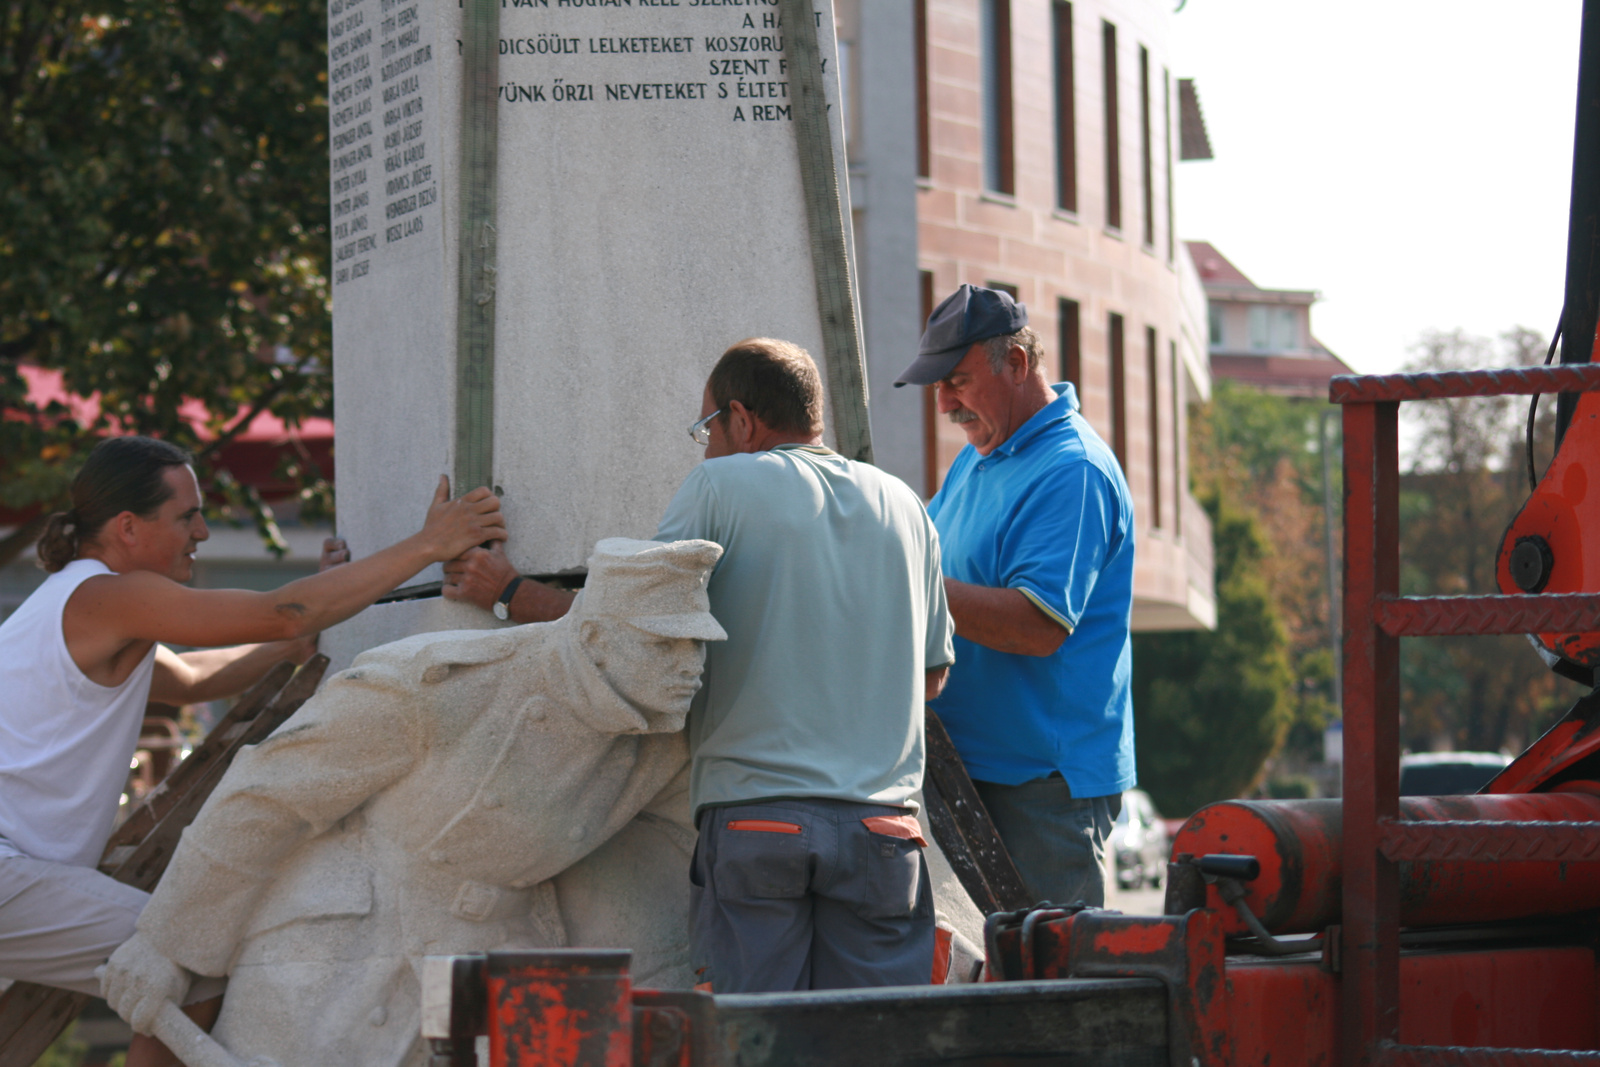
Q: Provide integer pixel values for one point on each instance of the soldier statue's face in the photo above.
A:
(648, 670)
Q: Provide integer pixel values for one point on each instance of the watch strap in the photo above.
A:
(509, 592)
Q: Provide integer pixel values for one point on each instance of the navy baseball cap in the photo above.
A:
(965, 317)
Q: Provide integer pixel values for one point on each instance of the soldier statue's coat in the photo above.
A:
(449, 793)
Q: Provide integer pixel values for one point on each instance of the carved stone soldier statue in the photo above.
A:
(426, 801)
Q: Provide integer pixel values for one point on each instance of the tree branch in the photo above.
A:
(227, 436)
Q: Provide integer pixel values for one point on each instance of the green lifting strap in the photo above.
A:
(830, 253)
(480, 134)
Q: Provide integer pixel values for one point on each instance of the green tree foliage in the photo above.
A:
(1211, 707)
(66, 1051)
(1262, 451)
(1243, 436)
(1255, 462)
(163, 223)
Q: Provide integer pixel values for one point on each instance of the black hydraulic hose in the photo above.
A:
(1232, 891)
(1533, 407)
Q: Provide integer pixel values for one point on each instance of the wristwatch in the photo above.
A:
(502, 607)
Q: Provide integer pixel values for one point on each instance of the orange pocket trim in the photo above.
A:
(942, 948)
(766, 826)
(904, 827)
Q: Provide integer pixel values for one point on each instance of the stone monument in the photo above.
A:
(444, 796)
(648, 207)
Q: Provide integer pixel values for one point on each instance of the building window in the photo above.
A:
(1152, 377)
(994, 33)
(1166, 141)
(1108, 43)
(1066, 111)
(1273, 328)
(1178, 466)
(1005, 287)
(919, 9)
(1147, 159)
(1070, 344)
(930, 405)
(1119, 396)
(1214, 315)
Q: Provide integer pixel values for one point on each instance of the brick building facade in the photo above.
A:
(1032, 145)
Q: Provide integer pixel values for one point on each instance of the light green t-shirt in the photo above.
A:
(831, 594)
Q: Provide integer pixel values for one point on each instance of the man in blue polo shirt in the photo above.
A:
(1036, 529)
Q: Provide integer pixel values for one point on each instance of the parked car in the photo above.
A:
(1443, 774)
(1138, 843)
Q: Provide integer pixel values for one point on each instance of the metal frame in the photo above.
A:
(1376, 617)
(1186, 953)
(577, 1008)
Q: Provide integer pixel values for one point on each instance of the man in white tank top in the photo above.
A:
(83, 655)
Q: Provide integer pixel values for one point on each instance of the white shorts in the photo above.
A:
(59, 922)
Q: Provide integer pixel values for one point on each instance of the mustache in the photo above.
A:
(962, 415)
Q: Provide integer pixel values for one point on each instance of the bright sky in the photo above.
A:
(1411, 161)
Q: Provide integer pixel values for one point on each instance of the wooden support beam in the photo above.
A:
(964, 830)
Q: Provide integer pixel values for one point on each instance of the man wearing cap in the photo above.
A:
(807, 738)
(1036, 528)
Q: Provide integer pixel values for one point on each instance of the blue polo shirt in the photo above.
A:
(1046, 513)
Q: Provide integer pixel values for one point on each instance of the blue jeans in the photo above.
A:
(802, 894)
(1057, 841)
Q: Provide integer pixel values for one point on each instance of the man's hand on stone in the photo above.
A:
(478, 576)
(454, 526)
(334, 552)
(138, 980)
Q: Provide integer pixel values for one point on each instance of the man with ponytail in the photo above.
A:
(82, 656)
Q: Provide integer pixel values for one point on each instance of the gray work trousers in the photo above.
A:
(1057, 841)
(801, 894)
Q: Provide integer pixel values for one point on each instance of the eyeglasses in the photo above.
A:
(700, 432)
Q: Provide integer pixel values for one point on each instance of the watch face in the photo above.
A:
(500, 611)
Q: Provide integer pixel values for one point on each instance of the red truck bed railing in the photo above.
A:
(1376, 840)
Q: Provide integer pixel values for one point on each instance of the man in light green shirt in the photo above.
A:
(807, 735)
(830, 577)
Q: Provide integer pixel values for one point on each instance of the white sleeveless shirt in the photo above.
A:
(65, 741)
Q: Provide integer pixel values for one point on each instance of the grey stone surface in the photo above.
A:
(383, 623)
(452, 792)
(650, 214)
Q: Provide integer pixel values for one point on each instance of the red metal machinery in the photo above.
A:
(1376, 839)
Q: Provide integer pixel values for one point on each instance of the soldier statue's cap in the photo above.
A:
(659, 587)
(965, 317)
